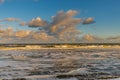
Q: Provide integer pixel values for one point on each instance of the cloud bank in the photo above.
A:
(63, 27)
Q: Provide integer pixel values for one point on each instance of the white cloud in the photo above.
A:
(113, 39)
(63, 27)
(37, 22)
(63, 20)
(91, 38)
(10, 19)
(23, 24)
(64, 24)
(10, 35)
(89, 20)
(22, 33)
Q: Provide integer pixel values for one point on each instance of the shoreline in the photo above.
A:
(64, 48)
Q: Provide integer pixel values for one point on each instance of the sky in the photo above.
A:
(59, 21)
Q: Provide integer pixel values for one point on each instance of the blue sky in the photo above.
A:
(106, 13)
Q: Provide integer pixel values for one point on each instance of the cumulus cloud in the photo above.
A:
(63, 20)
(91, 38)
(22, 33)
(10, 35)
(63, 27)
(113, 39)
(7, 32)
(23, 24)
(69, 34)
(1, 31)
(89, 20)
(42, 35)
(37, 22)
(10, 19)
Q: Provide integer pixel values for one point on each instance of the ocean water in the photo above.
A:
(60, 64)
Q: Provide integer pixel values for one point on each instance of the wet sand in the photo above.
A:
(60, 64)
